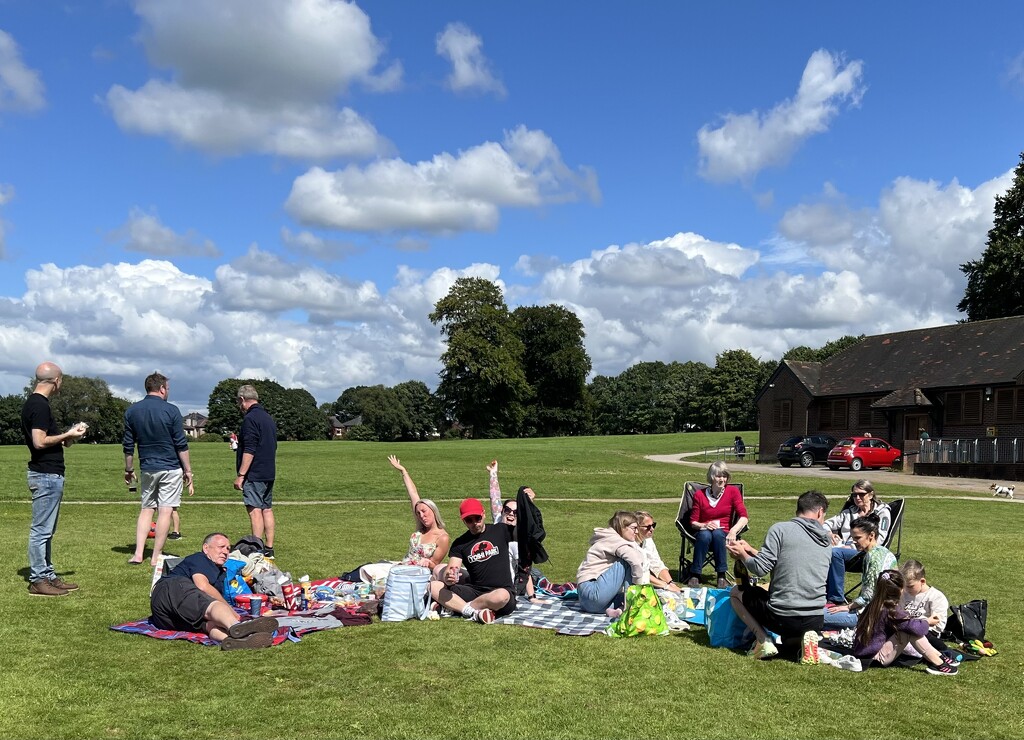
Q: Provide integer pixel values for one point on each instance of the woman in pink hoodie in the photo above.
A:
(613, 562)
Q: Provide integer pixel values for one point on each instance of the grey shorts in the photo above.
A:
(259, 494)
(178, 604)
(161, 488)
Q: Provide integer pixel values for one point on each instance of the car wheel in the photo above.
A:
(856, 464)
(785, 463)
(806, 460)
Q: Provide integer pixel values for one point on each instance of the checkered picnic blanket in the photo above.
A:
(565, 617)
(147, 628)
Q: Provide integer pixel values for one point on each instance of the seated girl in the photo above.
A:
(506, 512)
(864, 533)
(613, 562)
(885, 630)
(862, 502)
(428, 544)
(656, 568)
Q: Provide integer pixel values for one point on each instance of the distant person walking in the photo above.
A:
(45, 479)
(256, 464)
(156, 428)
(739, 447)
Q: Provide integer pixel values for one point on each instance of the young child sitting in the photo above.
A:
(884, 629)
(924, 602)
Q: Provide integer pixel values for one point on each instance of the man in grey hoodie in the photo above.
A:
(797, 553)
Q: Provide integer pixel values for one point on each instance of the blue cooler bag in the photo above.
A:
(405, 595)
(725, 628)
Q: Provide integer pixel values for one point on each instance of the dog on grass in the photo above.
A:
(1001, 490)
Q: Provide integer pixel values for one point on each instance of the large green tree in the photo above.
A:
(89, 400)
(294, 409)
(421, 409)
(381, 408)
(482, 385)
(10, 420)
(995, 281)
(556, 365)
(738, 375)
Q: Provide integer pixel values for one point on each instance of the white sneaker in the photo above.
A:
(764, 650)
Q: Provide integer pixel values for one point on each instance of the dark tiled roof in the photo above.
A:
(808, 373)
(975, 353)
(902, 399)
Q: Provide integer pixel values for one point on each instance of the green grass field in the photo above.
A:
(66, 675)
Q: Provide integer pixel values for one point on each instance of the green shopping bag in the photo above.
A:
(641, 616)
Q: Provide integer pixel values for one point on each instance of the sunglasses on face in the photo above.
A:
(509, 512)
(649, 527)
(472, 519)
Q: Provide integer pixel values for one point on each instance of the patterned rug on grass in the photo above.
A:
(564, 617)
(294, 624)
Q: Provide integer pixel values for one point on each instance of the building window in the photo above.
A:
(782, 415)
(963, 407)
(834, 414)
(867, 416)
(1009, 405)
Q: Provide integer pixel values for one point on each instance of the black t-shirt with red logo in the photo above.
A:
(485, 556)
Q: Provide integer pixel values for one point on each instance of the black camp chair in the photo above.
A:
(890, 530)
(689, 537)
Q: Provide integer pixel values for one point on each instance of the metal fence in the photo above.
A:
(729, 453)
(979, 450)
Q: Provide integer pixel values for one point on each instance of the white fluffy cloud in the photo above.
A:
(449, 193)
(470, 68)
(143, 232)
(744, 144)
(21, 88)
(308, 244)
(257, 75)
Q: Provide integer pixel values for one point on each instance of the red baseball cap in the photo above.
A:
(471, 507)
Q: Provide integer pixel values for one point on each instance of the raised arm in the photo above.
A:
(494, 490)
(410, 487)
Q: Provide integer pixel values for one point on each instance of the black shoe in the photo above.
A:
(251, 627)
(251, 642)
(946, 669)
(268, 552)
(174, 536)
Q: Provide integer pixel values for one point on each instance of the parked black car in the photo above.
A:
(805, 450)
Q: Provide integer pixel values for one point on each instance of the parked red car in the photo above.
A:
(862, 452)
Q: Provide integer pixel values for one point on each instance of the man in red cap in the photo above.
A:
(488, 592)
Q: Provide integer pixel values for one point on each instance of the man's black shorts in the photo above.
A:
(755, 599)
(178, 604)
(467, 592)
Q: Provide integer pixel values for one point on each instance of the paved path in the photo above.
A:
(979, 487)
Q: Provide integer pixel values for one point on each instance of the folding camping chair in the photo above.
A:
(687, 533)
(890, 529)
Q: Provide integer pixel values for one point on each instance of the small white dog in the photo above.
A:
(1001, 490)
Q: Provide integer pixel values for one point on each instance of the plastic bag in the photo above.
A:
(641, 616)
(234, 583)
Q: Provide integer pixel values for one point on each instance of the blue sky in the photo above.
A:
(284, 189)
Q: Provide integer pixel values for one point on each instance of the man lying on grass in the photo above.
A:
(189, 599)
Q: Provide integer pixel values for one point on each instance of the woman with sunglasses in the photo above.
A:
(862, 502)
(613, 562)
(506, 512)
(659, 573)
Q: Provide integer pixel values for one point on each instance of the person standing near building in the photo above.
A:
(45, 479)
(256, 464)
(156, 428)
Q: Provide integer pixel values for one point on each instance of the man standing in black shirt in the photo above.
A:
(483, 550)
(45, 479)
(256, 464)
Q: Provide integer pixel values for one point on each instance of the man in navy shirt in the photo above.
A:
(45, 479)
(156, 427)
(189, 599)
(256, 465)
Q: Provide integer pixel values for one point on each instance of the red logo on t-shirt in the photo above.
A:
(482, 551)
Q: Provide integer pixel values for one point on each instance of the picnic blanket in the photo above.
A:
(564, 617)
(294, 624)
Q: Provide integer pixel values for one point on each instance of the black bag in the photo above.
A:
(967, 621)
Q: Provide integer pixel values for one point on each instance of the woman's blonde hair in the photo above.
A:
(433, 507)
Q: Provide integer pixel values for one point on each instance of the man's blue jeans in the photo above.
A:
(606, 590)
(836, 584)
(705, 540)
(47, 491)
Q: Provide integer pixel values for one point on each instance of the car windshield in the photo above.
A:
(793, 441)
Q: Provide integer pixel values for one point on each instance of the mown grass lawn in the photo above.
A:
(65, 674)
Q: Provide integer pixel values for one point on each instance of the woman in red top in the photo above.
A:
(710, 517)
